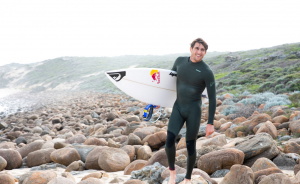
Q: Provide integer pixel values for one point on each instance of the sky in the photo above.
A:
(37, 30)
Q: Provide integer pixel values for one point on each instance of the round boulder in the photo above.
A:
(79, 138)
(7, 178)
(95, 141)
(39, 157)
(33, 146)
(113, 159)
(239, 174)
(12, 157)
(91, 181)
(92, 158)
(65, 156)
(221, 159)
(133, 166)
(41, 177)
(61, 180)
(3, 163)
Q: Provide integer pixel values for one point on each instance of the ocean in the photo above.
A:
(5, 92)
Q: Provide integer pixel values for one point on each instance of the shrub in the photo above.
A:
(279, 87)
(246, 93)
(229, 110)
(295, 99)
(228, 102)
(267, 98)
(294, 85)
(265, 86)
(257, 99)
(244, 111)
(239, 111)
(277, 100)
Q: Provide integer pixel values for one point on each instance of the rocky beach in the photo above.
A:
(87, 137)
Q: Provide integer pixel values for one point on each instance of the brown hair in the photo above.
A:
(201, 41)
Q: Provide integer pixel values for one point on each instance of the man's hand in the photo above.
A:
(209, 129)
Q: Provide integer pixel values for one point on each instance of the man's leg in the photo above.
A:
(175, 124)
(193, 125)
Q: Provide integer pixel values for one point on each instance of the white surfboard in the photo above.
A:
(151, 85)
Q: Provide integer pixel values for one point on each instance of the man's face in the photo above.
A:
(197, 52)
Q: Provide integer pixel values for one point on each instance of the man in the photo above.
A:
(193, 76)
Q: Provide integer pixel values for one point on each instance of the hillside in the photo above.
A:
(275, 69)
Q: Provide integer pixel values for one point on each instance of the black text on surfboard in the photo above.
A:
(117, 76)
(173, 74)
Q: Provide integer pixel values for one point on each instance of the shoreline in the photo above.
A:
(78, 175)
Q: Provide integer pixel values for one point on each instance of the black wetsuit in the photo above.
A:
(192, 79)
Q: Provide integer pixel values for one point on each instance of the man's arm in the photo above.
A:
(211, 91)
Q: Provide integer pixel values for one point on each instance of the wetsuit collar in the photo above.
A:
(189, 60)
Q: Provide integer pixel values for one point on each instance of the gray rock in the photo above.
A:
(95, 115)
(285, 138)
(179, 178)
(20, 140)
(285, 161)
(3, 125)
(47, 166)
(220, 173)
(84, 150)
(151, 173)
(257, 146)
(201, 132)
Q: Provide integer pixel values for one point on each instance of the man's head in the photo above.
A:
(201, 41)
(198, 50)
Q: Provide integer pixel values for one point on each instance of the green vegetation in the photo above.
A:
(295, 100)
(275, 69)
(221, 75)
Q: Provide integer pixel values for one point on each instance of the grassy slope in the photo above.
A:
(275, 69)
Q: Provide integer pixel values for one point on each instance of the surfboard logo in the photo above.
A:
(155, 74)
(173, 73)
(117, 76)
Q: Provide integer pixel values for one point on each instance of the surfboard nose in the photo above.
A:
(117, 76)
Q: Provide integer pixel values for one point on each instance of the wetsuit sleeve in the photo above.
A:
(211, 91)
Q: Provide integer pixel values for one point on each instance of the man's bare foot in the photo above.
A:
(186, 181)
(172, 178)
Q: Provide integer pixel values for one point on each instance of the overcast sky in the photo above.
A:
(36, 30)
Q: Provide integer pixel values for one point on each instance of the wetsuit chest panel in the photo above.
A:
(190, 80)
(191, 74)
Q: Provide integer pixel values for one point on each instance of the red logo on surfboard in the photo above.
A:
(155, 74)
